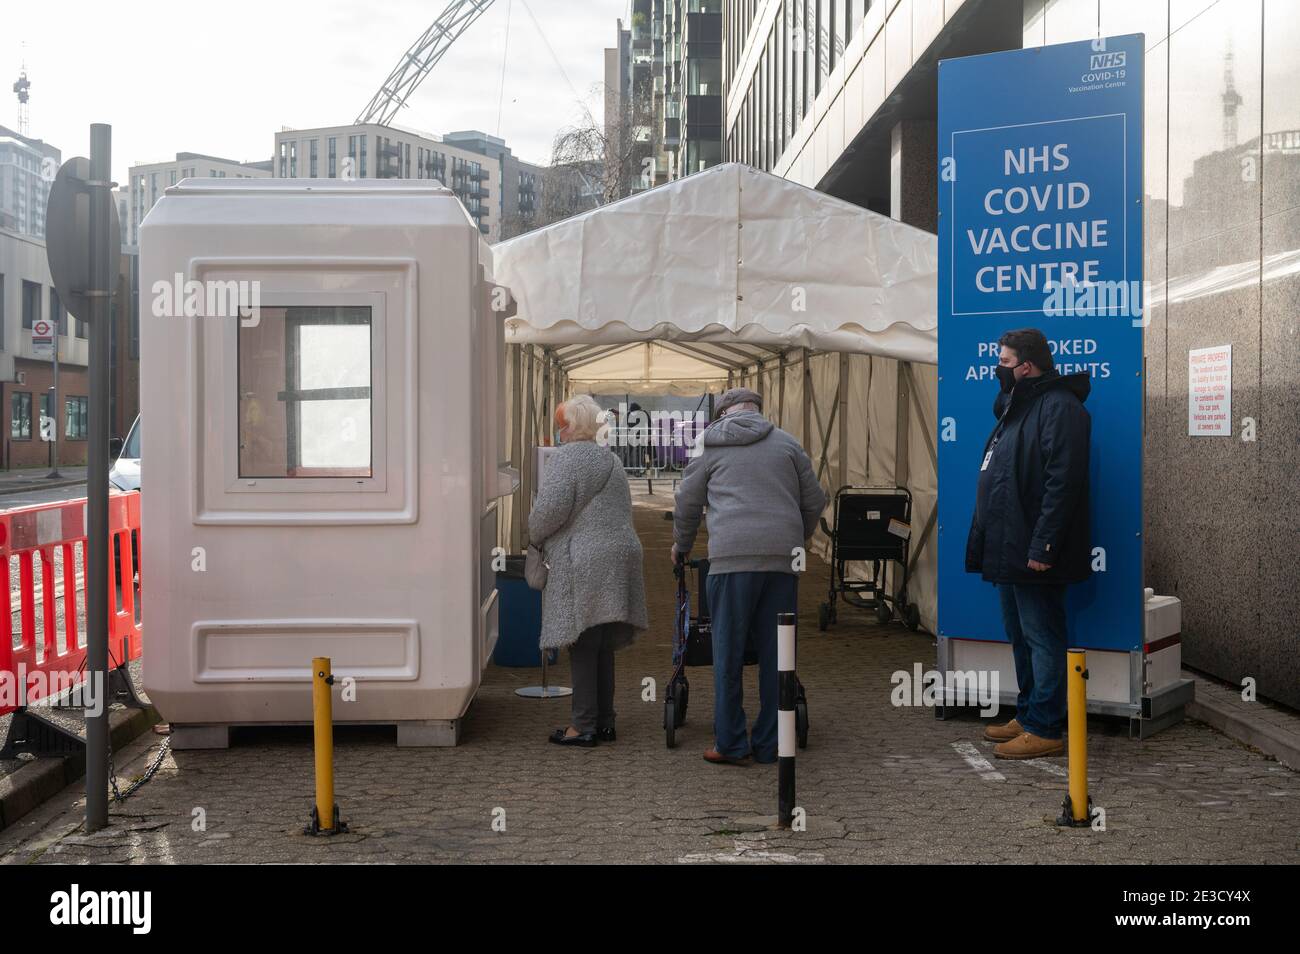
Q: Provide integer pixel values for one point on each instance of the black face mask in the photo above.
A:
(1007, 376)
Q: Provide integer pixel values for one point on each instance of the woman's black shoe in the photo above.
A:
(606, 735)
(586, 740)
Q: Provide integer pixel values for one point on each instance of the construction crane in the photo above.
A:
(422, 57)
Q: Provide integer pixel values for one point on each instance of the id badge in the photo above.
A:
(987, 457)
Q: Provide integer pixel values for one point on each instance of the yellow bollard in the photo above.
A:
(325, 814)
(1076, 812)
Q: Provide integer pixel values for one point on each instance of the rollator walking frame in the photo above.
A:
(693, 646)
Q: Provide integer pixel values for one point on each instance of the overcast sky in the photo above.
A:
(222, 78)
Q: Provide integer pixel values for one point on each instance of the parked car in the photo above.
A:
(125, 472)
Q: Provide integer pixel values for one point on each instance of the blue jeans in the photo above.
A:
(1034, 617)
(743, 608)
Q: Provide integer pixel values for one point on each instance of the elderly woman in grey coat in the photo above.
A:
(594, 599)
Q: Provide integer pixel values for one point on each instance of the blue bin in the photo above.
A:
(519, 618)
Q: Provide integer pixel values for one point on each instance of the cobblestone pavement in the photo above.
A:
(878, 783)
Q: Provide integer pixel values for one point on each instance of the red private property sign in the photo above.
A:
(1209, 392)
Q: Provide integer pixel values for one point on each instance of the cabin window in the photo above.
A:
(305, 392)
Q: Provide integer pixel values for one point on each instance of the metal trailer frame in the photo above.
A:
(1149, 709)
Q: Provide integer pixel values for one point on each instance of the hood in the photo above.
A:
(1080, 383)
(592, 465)
(742, 427)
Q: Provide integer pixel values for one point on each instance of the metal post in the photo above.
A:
(101, 144)
(787, 738)
(54, 407)
(325, 813)
(1076, 811)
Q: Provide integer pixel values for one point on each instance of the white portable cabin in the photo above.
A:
(321, 472)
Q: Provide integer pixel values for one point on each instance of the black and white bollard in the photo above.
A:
(787, 735)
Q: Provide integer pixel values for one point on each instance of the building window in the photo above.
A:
(293, 160)
(20, 416)
(284, 160)
(31, 303)
(47, 402)
(362, 174)
(74, 414)
(305, 393)
(312, 158)
(333, 159)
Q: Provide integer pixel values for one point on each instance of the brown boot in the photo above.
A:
(1003, 733)
(1029, 746)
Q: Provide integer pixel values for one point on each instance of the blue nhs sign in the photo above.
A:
(1040, 226)
(1038, 204)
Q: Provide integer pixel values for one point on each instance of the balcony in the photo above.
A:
(703, 111)
(672, 132)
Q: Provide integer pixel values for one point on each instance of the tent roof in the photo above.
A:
(646, 367)
(736, 263)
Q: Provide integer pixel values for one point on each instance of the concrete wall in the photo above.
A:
(1223, 261)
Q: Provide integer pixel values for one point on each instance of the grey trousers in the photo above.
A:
(592, 661)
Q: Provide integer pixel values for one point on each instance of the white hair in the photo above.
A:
(582, 416)
(740, 406)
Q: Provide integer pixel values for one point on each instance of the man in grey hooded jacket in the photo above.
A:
(763, 504)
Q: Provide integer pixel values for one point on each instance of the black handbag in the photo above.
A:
(699, 634)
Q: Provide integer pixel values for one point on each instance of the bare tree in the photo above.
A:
(596, 162)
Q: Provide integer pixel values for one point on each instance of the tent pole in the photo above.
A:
(826, 433)
(807, 402)
(526, 463)
(516, 448)
(902, 470)
(780, 390)
(547, 413)
(844, 418)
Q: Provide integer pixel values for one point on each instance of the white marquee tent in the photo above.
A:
(735, 276)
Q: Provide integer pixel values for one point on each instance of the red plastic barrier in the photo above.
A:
(33, 535)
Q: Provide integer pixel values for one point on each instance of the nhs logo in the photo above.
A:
(1107, 61)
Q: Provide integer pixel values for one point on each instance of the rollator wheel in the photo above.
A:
(801, 723)
(670, 721)
(823, 616)
(683, 696)
(883, 612)
(912, 617)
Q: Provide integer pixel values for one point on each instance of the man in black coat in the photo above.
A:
(1030, 531)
